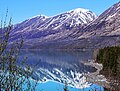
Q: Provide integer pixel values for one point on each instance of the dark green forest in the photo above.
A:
(110, 58)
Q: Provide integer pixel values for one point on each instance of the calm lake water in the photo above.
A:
(55, 68)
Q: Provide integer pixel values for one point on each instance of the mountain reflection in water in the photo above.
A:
(60, 66)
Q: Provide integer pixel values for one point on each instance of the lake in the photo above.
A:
(56, 68)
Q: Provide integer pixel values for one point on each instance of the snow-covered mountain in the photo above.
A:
(108, 23)
(105, 30)
(69, 19)
(78, 28)
(41, 28)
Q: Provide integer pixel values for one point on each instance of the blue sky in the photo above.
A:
(24, 9)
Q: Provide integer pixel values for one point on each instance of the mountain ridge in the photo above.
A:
(75, 29)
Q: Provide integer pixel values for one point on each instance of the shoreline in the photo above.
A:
(96, 77)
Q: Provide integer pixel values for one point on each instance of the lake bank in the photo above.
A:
(96, 77)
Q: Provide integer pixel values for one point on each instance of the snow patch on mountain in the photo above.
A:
(45, 29)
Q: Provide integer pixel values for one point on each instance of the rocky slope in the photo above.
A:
(105, 30)
(102, 32)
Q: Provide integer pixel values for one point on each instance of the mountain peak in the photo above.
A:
(82, 16)
(77, 10)
(37, 16)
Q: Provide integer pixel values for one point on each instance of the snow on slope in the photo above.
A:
(42, 29)
(69, 19)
